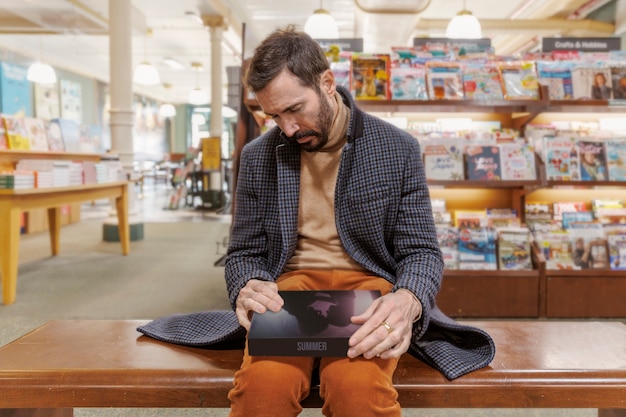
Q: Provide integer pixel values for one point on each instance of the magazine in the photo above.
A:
(311, 323)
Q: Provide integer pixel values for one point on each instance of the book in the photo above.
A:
(16, 132)
(592, 155)
(311, 323)
(481, 81)
(518, 161)
(514, 249)
(589, 245)
(617, 250)
(55, 137)
(477, 248)
(70, 132)
(499, 218)
(560, 207)
(557, 76)
(443, 160)
(519, 80)
(591, 82)
(568, 218)
(618, 81)
(408, 83)
(561, 158)
(556, 246)
(448, 238)
(370, 76)
(483, 163)
(36, 132)
(3, 135)
(616, 159)
(444, 80)
(538, 210)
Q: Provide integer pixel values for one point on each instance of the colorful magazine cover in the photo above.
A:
(443, 160)
(589, 245)
(17, 137)
(557, 76)
(593, 166)
(616, 159)
(37, 135)
(519, 80)
(477, 249)
(618, 81)
(518, 161)
(448, 238)
(3, 135)
(408, 83)
(483, 163)
(617, 250)
(370, 76)
(514, 249)
(561, 158)
(444, 80)
(481, 81)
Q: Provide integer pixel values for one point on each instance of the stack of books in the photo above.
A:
(15, 180)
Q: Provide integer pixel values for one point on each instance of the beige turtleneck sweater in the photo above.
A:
(319, 246)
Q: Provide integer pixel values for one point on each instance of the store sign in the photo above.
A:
(482, 43)
(581, 44)
(344, 44)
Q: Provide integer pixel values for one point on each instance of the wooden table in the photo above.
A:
(107, 363)
(13, 202)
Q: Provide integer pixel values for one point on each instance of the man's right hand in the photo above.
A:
(257, 296)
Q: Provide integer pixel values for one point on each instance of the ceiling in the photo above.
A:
(73, 34)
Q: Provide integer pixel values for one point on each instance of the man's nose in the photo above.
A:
(290, 127)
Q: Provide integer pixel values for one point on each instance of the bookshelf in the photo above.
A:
(538, 293)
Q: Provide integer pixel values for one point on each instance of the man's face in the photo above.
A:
(301, 113)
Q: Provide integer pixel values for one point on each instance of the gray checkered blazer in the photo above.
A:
(384, 220)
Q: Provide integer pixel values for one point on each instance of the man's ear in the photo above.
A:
(327, 82)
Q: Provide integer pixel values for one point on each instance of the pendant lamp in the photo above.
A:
(145, 73)
(197, 96)
(321, 25)
(464, 26)
(40, 72)
(167, 109)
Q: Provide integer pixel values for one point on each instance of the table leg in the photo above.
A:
(54, 224)
(121, 204)
(9, 250)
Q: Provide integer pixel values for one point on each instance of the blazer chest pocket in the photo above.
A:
(370, 202)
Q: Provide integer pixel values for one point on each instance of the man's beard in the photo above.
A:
(324, 123)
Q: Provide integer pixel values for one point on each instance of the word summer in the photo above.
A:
(311, 346)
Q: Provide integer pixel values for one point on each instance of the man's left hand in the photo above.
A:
(386, 326)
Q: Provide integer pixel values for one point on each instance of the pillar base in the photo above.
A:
(111, 233)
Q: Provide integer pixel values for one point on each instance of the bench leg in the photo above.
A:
(36, 412)
(614, 412)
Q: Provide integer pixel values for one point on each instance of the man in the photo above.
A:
(331, 198)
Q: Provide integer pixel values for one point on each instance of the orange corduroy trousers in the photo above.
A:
(274, 386)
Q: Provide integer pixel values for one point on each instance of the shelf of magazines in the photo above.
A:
(495, 293)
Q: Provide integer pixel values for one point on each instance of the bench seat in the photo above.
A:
(107, 363)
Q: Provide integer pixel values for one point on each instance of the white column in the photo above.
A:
(216, 27)
(121, 87)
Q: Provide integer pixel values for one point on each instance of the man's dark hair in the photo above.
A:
(286, 49)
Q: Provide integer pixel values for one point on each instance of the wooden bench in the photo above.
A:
(539, 364)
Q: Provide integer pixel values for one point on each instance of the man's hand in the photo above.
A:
(386, 326)
(257, 296)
